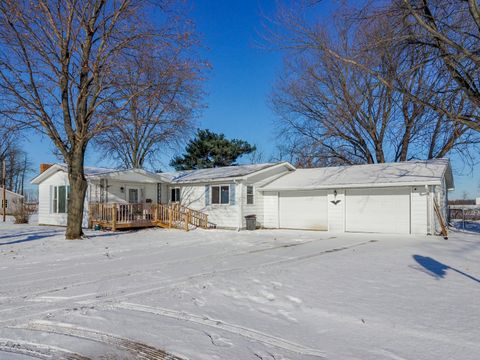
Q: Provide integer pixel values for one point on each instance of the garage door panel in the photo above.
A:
(385, 210)
(303, 210)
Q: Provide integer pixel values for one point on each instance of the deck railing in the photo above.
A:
(119, 215)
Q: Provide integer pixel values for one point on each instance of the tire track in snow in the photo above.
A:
(39, 351)
(222, 325)
(123, 293)
(139, 350)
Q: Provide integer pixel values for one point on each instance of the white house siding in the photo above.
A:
(336, 211)
(270, 209)
(222, 215)
(45, 214)
(252, 209)
(115, 194)
(441, 194)
(419, 210)
(257, 181)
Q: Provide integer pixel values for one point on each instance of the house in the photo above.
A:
(12, 201)
(224, 194)
(379, 198)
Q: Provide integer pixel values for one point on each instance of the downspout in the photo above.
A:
(239, 203)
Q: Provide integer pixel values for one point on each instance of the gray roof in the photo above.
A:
(215, 173)
(428, 172)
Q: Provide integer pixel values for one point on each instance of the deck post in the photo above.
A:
(187, 219)
(155, 212)
(170, 217)
(114, 217)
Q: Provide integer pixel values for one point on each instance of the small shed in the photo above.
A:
(12, 200)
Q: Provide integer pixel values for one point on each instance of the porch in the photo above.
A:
(124, 215)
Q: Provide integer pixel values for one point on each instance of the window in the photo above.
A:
(250, 195)
(221, 194)
(175, 194)
(133, 196)
(5, 203)
(61, 195)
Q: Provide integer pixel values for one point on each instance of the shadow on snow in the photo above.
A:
(437, 269)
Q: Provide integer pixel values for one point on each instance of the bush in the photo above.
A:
(22, 212)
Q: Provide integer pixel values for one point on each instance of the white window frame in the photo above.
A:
(127, 194)
(175, 189)
(55, 199)
(252, 194)
(219, 194)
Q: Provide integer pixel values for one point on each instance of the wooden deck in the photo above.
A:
(121, 216)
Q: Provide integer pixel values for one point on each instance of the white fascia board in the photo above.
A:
(234, 178)
(46, 174)
(111, 175)
(348, 186)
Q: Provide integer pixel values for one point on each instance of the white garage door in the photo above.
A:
(385, 210)
(303, 210)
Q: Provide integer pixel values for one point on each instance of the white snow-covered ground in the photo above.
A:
(167, 294)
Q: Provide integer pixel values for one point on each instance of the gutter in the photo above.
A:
(348, 186)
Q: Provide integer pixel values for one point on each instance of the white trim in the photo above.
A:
(170, 194)
(348, 186)
(219, 194)
(127, 194)
(253, 194)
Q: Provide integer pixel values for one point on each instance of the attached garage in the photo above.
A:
(303, 210)
(378, 210)
(393, 198)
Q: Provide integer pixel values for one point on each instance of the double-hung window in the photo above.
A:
(175, 195)
(221, 194)
(61, 195)
(250, 195)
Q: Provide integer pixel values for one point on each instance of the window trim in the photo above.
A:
(56, 200)
(127, 194)
(175, 189)
(219, 194)
(252, 195)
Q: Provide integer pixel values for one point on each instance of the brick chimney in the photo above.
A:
(44, 167)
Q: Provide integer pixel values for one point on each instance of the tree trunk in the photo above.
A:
(78, 189)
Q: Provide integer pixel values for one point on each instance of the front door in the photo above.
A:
(133, 196)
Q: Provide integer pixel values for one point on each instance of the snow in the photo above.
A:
(218, 173)
(428, 172)
(212, 294)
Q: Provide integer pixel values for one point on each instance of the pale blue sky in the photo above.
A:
(239, 83)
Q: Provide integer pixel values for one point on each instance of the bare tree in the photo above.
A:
(334, 111)
(161, 95)
(58, 63)
(450, 30)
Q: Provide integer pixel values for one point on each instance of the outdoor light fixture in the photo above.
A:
(122, 189)
(335, 193)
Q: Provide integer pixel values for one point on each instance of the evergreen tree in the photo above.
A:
(208, 150)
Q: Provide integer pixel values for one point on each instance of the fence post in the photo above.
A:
(170, 217)
(114, 217)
